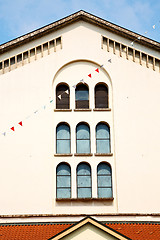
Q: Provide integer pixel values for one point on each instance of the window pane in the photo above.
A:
(104, 181)
(83, 169)
(104, 192)
(84, 181)
(102, 131)
(104, 169)
(63, 181)
(63, 169)
(103, 146)
(63, 146)
(82, 95)
(84, 192)
(63, 132)
(63, 193)
(83, 132)
(83, 146)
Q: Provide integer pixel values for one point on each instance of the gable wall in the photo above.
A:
(27, 155)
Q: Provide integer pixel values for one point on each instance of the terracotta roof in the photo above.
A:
(44, 231)
(80, 15)
(137, 231)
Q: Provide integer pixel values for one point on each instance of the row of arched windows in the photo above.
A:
(81, 96)
(63, 138)
(84, 183)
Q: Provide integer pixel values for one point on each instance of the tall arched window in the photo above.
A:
(82, 96)
(83, 138)
(84, 187)
(104, 176)
(62, 97)
(63, 181)
(63, 141)
(102, 138)
(101, 96)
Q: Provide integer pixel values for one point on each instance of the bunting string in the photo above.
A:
(20, 123)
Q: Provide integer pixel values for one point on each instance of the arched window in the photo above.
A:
(63, 141)
(82, 96)
(84, 188)
(101, 96)
(63, 181)
(83, 138)
(104, 176)
(62, 97)
(102, 138)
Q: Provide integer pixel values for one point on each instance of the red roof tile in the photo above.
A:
(44, 231)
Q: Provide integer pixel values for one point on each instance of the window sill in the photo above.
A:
(83, 199)
(63, 155)
(103, 154)
(82, 110)
(83, 154)
(62, 110)
(102, 109)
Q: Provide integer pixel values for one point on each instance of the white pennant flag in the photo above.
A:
(154, 26)
(74, 86)
(82, 81)
(59, 96)
(67, 91)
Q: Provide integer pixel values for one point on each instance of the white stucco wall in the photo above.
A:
(28, 164)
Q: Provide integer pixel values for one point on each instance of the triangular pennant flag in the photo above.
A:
(154, 26)
(44, 106)
(101, 66)
(74, 86)
(4, 133)
(36, 111)
(12, 128)
(97, 70)
(89, 75)
(20, 123)
(67, 91)
(82, 81)
(59, 97)
(109, 60)
(51, 101)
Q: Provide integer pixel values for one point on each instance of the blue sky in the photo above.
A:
(22, 16)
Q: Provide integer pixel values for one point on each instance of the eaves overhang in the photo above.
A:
(80, 15)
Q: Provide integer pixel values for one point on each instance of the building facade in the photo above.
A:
(80, 124)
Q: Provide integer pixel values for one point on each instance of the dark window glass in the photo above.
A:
(63, 181)
(83, 138)
(82, 96)
(101, 96)
(62, 97)
(104, 176)
(84, 181)
(102, 138)
(63, 140)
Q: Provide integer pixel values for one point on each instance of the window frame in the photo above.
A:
(76, 101)
(69, 139)
(86, 163)
(63, 84)
(89, 139)
(111, 197)
(70, 181)
(109, 139)
(95, 98)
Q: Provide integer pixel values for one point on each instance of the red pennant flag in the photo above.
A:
(97, 70)
(20, 123)
(12, 128)
(89, 75)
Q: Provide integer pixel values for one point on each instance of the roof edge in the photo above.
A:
(80, 15)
